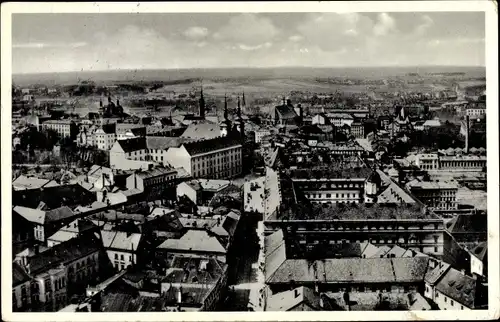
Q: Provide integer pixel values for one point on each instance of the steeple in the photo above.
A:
(239, 108)
(202, 105)
(109, 99)
(100, 102)
(244, 102)
(284, 101)
(225, 107)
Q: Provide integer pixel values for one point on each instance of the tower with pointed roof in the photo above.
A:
(238, 123)
(225, 125)
(202, 105)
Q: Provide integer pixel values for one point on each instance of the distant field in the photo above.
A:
(227, 74)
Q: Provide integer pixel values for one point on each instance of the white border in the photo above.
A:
(490, 9)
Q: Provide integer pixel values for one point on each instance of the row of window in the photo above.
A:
(329, 226)
(334, 195)
(331, 185)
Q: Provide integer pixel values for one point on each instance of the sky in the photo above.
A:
(108, 41)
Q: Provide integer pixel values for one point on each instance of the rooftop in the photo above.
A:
(23, 182)
(133, 144)
(165, 142)
(201, 131)
(209, 145)
(287, 300)
(350, 270)
(358, 212)
(53, 197)
(120, 240)
(65, 252)
(194, 240)
(458, 286)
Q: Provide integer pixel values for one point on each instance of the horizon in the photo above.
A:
(257, 67)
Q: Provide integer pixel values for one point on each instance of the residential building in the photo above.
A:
(121, 247)
(441, 195)
(64, 128)
(451, 289)
(218, 158)
(479, 260)
(62, 271)
(201, 191)
(195, 242)
(299, 299)
(154, 183)
(21, 289)
(44, 222)
(204, 277)
(358, 130)
(105, 136)
(129, 131)
(261, 133)
(129, 154)
(428, 161)
(24, 183)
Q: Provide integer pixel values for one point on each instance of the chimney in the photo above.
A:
(467, 134)
(462, 271)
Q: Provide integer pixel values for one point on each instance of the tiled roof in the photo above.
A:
(202, 131)
(24, 182)
(480, 250)
(120, 240)
(196, 270)
(467, 224)
(65, 252)
(134, 144)
(30, 214)
(164, 142)
(53, 197)
(433, 275)
(287, 300)
(210, 145)
(351, 270)
(359, 212)
(286, 112)
(458, 286)
(19, 275)
(212, 184)
(58, 214)
(155, 172)
(194, 240)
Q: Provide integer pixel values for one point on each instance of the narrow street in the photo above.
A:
(246, 280)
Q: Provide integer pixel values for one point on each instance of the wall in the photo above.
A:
(183, 189)
(446, 303)
(118, 263)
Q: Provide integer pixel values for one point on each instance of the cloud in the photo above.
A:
(331, 30)
(49, 45)
(249, 29)
(385, 24)
(426, 23)
(295, 38)
(251, 48)
(196, 32)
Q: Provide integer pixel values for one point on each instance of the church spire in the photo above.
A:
(239, 108)
(202, 104)
(225, 107)
(244, 102)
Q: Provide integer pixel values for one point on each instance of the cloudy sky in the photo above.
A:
(73, 42)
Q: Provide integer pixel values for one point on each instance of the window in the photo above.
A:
(451, 302)
(445, 299)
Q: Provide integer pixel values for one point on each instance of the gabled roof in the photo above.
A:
(194, 240)
(480, 251)
(41, 216)
(120, 240)
(24, 182)
(133, 144)
(19, 275)
(164, 142)
(65, 252)
(213, 144)
(433, 275)
(458, 286)
(286, 112)
(467, 224)
(202, 130)
(351, 270)
(287, 300)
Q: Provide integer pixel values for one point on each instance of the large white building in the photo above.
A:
(216, 158)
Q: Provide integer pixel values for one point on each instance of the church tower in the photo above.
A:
(202, 105)
(239, 124)
(225, 125)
